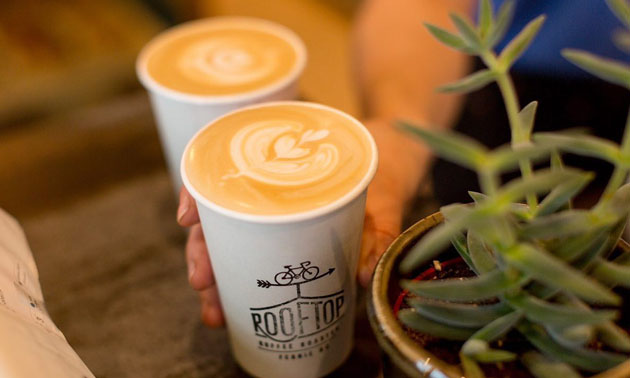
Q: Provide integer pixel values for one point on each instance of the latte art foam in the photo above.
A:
(227, 62)
(278, 159)
(223, 56)
(280, 153)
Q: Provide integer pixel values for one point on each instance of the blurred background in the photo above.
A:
(82, 171)
(70, 103)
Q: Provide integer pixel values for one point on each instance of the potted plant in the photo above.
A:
(535, 285)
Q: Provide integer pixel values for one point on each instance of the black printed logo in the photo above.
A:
(303, 325)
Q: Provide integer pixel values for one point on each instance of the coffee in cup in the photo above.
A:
(281, 159)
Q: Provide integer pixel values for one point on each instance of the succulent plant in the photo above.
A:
(543, 269)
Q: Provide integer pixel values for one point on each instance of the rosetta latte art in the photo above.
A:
(227, 62)
(282, 153)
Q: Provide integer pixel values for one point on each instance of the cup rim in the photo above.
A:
(279, 30)
(355, 192)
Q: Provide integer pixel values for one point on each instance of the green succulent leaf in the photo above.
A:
(458, 314)
(584, 145)
(570, 249)
(457, 148)
(484, 286)
(551, 271)
(459, 243)
(412, 319)
(611, 274)
(467, 32)
(497, 231)
(494, 356)
(498, 327)
(614, 336)
(519, 44)
(619, 205)
(477, 197)
(539, 290)
(502, 23)
(481, 257)
(604, 250)
(520, 210)
(623, 258)
(506, 158)
(566, 223)
(470, 83)
(621, 9)
(541, 182)
(481, 351)
(455, 210)
(471, 368)
(527, 115)
(605, 69)
(557, 315)
(561, 195)
(543, 367)
(485, 18)
(622, 40)
(446, 37)
(582, 358)
(433, 242)
(556, 161)
(575, 336)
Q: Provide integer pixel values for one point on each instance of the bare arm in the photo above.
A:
(398, 65)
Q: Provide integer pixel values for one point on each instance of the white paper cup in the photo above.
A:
(180, 115)
(279, 325)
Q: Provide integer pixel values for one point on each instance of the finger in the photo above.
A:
(368, 242)
(211, 312)
(200, 274)
(187, 213)
(375, 241)
(382, 240)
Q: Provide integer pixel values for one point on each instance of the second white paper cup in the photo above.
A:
(180, 115)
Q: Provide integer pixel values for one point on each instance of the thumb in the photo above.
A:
(377, 236)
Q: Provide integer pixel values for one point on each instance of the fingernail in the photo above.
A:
(183, 208)
(191, 269)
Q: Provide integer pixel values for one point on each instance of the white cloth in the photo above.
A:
(30, 343)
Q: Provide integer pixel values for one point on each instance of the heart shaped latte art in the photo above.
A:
(282, 153)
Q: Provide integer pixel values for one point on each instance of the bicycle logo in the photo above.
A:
(304, 271)
(295, 275)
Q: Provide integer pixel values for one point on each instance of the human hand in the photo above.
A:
(402, 164)
(200, 274)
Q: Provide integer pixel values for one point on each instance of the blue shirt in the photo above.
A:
(583, 24)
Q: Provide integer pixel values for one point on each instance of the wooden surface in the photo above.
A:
(56, 54)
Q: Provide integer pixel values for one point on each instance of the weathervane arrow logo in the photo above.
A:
(289, 276)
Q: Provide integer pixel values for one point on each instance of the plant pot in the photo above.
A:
(402, 356)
